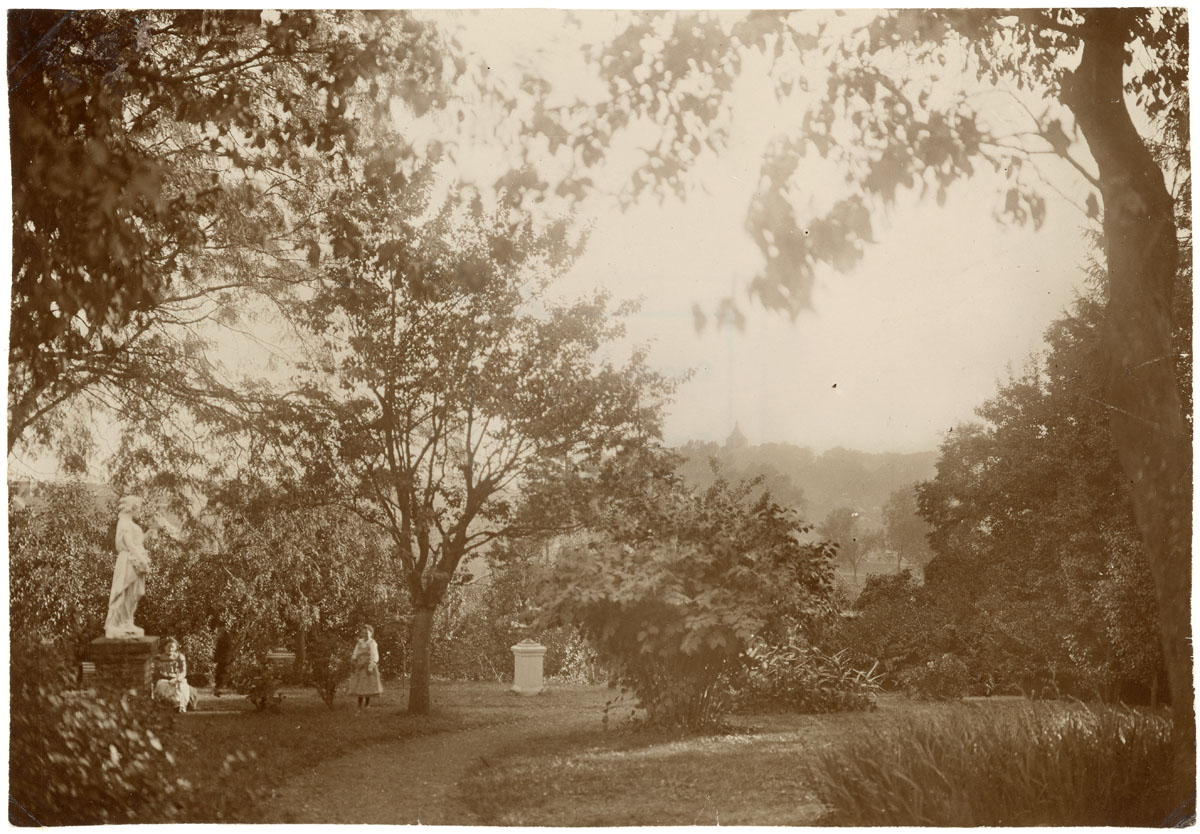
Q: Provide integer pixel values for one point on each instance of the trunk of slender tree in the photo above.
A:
(419, 655)
(1145, 411)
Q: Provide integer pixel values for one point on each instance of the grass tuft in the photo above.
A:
(1047, 765)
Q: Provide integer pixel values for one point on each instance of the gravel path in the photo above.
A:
(413, 780)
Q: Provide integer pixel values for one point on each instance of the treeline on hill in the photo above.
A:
(862, 501)
(1038, 583)
(814, 484)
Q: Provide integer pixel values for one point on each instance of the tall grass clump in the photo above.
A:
(973, 765)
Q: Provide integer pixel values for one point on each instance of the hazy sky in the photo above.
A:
(913, 338)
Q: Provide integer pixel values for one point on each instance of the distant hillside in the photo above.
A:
(814, 484)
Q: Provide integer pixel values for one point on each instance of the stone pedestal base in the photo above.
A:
(125, 664)
(527, 667)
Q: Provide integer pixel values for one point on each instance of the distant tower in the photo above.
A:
(736, 439)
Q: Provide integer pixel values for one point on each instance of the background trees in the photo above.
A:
(846, 528)
(904, 531)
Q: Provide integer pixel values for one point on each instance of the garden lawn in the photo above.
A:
(253, 753)
(755, 773)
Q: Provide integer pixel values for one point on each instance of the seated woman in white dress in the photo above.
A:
(170, 678)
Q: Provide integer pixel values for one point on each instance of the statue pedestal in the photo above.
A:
(124, 664)
(527, 667)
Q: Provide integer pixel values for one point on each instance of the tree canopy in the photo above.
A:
(166, 166)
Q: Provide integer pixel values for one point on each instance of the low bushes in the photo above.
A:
(943, 677)
(800, 678)
(967, 766)
(252, 674)
(327, 666)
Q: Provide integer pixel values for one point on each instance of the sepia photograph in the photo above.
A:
(600, 418)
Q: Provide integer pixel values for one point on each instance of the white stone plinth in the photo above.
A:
(527, 667)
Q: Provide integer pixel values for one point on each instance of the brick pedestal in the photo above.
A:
(124, 664)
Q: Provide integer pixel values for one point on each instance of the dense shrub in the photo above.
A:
(252, 674)
(801, 678)
(977, 766)
(198, 648)
(910, 628)
(82, 757)
(943, 677)
(327, 665)
(674, 587)
(570, 659)
(61, 558)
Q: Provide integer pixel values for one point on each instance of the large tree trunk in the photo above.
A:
(419, 654)
(1146, 415)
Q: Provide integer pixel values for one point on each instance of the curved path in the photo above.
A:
(412, 780)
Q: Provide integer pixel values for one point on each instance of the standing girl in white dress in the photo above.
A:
(364, 663)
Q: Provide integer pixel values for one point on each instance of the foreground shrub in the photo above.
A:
(800, 678)
(109, 757)
(975, 766)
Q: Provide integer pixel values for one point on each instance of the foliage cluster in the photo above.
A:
(167, 167)
(971, 767)
(60, 565)
(327, 666)
(945, 676)
(672, 587)
(82, 757)
(797, 677)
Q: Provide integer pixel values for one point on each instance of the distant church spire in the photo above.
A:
(736, 439)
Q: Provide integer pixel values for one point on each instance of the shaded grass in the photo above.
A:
(757, 773)
(754, 772)
(251, 752)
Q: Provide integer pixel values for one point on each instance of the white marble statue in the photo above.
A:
(129, 577)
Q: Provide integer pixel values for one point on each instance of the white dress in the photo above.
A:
(364, 661)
